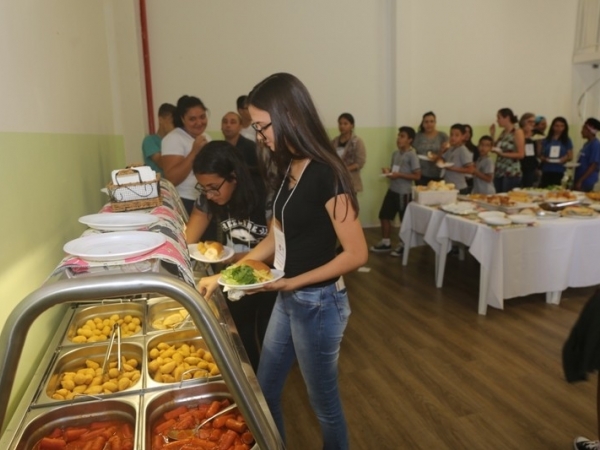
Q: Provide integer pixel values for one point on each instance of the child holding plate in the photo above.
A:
(242, 215)
(557, 149)
(457, 160)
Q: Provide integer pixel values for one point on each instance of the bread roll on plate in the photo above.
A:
(211, 249)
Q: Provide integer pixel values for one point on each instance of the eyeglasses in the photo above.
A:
(260, 129)
(211, 191)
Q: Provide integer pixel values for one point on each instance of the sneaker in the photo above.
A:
(582, 443)
(397, 252)
(380, 247)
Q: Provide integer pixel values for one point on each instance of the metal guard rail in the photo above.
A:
(19, 321)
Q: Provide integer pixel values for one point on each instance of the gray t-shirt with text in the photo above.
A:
(404, 161)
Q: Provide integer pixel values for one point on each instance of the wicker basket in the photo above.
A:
(132, 196)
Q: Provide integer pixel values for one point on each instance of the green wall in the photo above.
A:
(49, 181)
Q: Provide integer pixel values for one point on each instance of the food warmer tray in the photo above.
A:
(211, 319)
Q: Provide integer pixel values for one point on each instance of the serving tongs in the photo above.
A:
(177, 435)
(558, 206)
(115, 334)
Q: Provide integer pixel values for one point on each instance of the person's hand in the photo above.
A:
(199, 143)
(207, 285)
(493, 129)
(385, 170)
(283, 284)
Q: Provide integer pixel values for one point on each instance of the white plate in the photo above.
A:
(113, 246)
(118, 221)
(522, 218)
(593, 216)
(571, 165)
(486, 214)
(195, 253)
(460, 208)
(553, 160)
(424, 157)
(443, 165)
(497, 220)
(277, 274)
(594, 206)
(537, 137)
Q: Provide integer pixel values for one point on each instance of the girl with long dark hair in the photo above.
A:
(236, 197)
(315, 205)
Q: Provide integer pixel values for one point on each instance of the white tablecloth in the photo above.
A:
(549, 257)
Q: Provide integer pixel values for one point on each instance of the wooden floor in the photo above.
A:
(420, 369)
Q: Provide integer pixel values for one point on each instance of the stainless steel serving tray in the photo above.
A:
(159, 308)
(154, 405)
(73, 358)
(105, 311)
(174, 338)
(40, 422)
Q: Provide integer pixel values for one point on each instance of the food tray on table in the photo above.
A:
(160, 405)
(496, 202)
(116, 417)
(434, 197)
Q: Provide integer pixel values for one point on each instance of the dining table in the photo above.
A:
(547, 256)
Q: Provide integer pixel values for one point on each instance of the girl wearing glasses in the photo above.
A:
(236, 198)
(314, 206)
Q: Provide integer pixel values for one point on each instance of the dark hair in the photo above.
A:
(428, 113)
(469, 128)
(507, 112)
(409, 131)
(458, 126)
(296, 125)
(486, 138)
(166, 109)
(594, 123)
(241, 102)
(347, 116)
(223, 159)
(184, 104)
(564, 136)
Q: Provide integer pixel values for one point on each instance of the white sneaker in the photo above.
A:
(398, 251)
(380, 247)
(581, 443)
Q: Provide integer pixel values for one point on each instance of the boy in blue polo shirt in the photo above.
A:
(586, 174)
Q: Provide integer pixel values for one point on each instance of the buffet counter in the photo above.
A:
(120, 329)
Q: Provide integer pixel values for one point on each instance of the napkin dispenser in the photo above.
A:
(139, 174)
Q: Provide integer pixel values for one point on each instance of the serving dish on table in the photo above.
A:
(435, 193)
(459, 208)
(497, 221)
(525, 219)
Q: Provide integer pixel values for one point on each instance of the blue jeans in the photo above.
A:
(307, 324)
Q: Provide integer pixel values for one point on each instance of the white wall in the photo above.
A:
(383, 60)
(54, 68)
(469, 58)
(220, 50)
